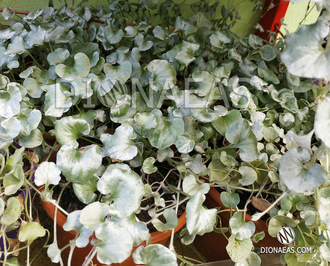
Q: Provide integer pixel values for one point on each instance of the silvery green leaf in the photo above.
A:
(252, 260)
(238, 250)
(131, 31)
(324, 211)
(222, 123)
(10, 101)
(154, 255)
(113, 35)
(191, 187)
(185, 143)
(141, 43)
(35, 37)
(145, 120)
(58, 56)
(93, 215)
(229, 199)
(79, 166)
(73, 223)
(241, 136)
(196, 165)
(54, 253)
(56, 101)
(14, 160)
(325, 251)
(9, 129)
(148, 165)
(217, 40)
(249, 175)
(125, 188)
(227, 159)
(68, 130)
(186, 53)
(8, 13)
(119, 145)
(304, 141)
(241, 97)
(166, 132)
(16, 46)
(322, 121)
(171, 221)
(309, 216)
(122, 109)
(159, 33)
(80, 68)
(201, 112)
(186, 238)
(258, 237)
(13, 180)
(164, 75)
(81, 87)
(29, 120)
(240, 228)
(116, 243)
(268, 52)
(65, 38)
(30, 232)
(296, 175)
(33, 15)
(33, 140)
(139, 230)
(186, 27)
(195, 210)
(85, 192)
(163, 154)
(277, 222)
(205, 81)
(6, 34)
(12, 212)
(303, 55)
(200, 20)
(4, 81)
(122, 72)
(268, 75)
(47, 174)
(258, 83)
(255, 41)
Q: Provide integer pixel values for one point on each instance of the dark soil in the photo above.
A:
(172, 180)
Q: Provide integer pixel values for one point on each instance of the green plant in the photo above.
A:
(126, 98)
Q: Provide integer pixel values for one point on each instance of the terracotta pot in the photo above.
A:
(213, 245)
(79, 254)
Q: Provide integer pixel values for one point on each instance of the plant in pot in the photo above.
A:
(19, 224)
(128, 139)
(271, 149)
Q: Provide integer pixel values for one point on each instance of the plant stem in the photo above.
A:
(257, 216)
(171, 247)
(90, 257)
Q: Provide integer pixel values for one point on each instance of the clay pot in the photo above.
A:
(213, 245)
(79, 254)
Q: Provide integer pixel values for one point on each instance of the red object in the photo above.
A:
(213, 245)
(271, 17)
(79, 254)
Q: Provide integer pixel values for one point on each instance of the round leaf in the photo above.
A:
(125, 188)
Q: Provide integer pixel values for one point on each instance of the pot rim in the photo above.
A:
(61, 219)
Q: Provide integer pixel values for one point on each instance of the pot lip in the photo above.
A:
(61, 219)
(215, 194)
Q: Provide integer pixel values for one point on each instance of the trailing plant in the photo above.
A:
(125, 98)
